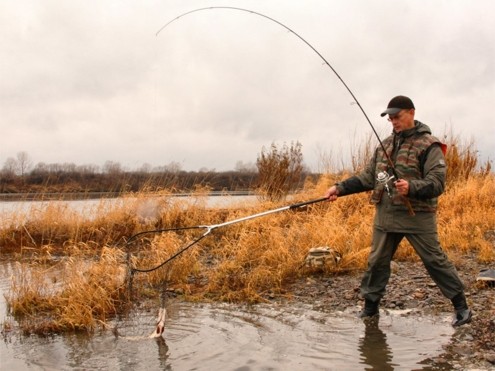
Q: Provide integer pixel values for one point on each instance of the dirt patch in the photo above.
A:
(410, 287)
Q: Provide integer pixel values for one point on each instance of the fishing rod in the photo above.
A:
(208, 229)
(387, 156)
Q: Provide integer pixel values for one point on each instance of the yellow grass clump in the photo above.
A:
(77, 293)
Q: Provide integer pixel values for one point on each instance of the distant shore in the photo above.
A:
(70, 196)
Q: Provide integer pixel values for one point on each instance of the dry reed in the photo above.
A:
(241, 262)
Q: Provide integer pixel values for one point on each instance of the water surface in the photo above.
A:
(233, 337)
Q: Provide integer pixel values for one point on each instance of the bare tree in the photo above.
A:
(242, 167)
(145, 168)
(173, 167)
(88, 169)
(24, 163)
(111, 167)
(10, 167)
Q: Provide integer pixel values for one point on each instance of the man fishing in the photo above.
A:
(406, 174)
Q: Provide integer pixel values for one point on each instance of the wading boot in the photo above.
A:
(370, 309)
(462, 313)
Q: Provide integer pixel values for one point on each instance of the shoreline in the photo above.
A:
(412, 291)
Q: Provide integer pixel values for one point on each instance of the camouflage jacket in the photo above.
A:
(418, 157)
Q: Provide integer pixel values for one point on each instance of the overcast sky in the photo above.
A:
(87, 82)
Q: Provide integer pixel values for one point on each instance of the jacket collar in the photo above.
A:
(407, 133)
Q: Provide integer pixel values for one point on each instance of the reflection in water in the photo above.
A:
(230, 337)
(162, 354)
(373, 347)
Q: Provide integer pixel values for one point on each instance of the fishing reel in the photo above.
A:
(383, 178)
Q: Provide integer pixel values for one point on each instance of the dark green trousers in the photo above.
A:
(426, 245)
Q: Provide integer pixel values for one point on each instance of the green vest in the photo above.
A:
(407, 161)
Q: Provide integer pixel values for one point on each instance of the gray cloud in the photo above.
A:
(87, 83)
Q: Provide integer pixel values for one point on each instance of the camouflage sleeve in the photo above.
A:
(364, 181)
(434, 170)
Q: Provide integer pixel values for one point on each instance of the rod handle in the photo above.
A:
(410, 209)
(301, 204)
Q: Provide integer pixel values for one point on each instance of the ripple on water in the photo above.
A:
(230, 337)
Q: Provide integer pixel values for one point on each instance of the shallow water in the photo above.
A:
(233, 337)
(88, 206)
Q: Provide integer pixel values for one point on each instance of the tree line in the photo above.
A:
(278, 170)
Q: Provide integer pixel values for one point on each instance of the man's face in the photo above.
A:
(403, 120)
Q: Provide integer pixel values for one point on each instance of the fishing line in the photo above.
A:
(208, 229)
(389, 160)
(290, 30)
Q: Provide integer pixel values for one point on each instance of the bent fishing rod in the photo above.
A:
(208, 229)
(387, 156)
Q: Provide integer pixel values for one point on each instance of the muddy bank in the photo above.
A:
(411, 289)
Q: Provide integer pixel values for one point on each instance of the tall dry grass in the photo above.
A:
(76, 293)
(241, 262)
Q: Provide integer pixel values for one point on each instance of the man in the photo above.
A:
(406, 180)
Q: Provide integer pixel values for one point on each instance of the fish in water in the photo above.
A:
(160, 324)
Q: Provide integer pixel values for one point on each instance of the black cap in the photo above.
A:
(397, 104)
